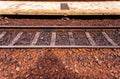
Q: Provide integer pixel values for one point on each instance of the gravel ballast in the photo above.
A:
(59, 63)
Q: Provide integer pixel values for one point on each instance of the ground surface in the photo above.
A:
(59, 64)
(61, 21)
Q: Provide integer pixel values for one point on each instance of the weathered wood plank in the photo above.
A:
(2, 35)
(92, 42)
(71, 38)
(109, 39)
(36, 37)
(53, 38)
(15, 39)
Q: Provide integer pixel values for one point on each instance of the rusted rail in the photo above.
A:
(58, 27)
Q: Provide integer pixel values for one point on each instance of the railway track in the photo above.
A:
(59, 37)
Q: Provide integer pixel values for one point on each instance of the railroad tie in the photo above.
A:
(71, 38)
(2, 35)
(89, 37)
(16, 39)
(109, 39)
(36, 37)
(53, 38)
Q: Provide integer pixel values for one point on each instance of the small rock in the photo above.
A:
(85, 64)
(63, 62)
(76, 71)
(40, 67)
(41, 38)
(82, 58)
(65, 18)
(5, 74)
(29, 58)
(5, 17)
(71, 68)
(66, 67)
(17, 68)
(75, 65)
(40, 77)
(109, 65)
(96, 58)
(56, 70)
(26, 75)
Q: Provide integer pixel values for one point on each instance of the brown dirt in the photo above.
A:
(59, 63)
(62, 21)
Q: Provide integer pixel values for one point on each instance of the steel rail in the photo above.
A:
(56, 46)
(58, 27)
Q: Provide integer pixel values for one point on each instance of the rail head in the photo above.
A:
(58, 27)
(58, 47)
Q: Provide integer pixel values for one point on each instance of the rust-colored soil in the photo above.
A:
(59, 64)
(80, 21)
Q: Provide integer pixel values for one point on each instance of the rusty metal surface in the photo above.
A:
(58, 27)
